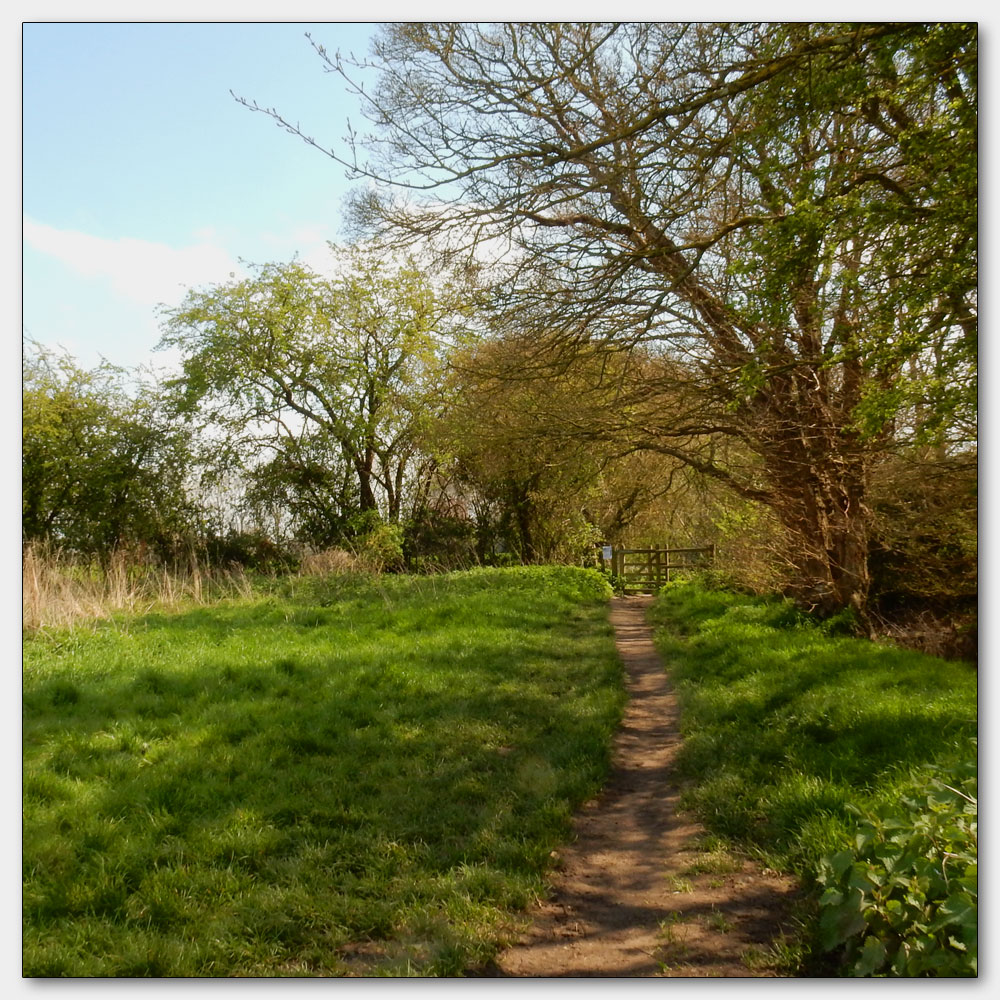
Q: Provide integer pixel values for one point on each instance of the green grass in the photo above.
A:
(784, 724)
(341, 776)
(787, 726)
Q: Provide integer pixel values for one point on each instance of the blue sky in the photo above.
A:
(142, 176)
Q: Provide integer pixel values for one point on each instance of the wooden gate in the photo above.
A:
(646, 570)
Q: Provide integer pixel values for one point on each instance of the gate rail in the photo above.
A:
(644, 570)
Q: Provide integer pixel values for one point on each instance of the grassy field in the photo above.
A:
(789, 729)
(342, 776)
(784, 725)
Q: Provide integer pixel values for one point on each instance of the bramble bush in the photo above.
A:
(904, 901)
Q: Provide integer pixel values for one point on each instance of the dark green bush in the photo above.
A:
(904, 901)
(434, 541)
(251, 550)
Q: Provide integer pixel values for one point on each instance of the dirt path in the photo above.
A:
(639, 893)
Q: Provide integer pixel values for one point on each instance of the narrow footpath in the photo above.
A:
(637, 893)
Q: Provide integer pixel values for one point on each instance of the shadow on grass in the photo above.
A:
(253, 786)
(786, 726)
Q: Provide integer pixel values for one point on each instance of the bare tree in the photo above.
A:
(786, 213)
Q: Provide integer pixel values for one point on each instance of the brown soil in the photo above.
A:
(637, 893)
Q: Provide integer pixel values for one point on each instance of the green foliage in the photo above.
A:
(102, 465)
(511, 437)
(829, 284)
(329, 379)
(382, 547)
(437, 541)
(926, 545)
(904, 900)
(790, 730)
(341, 775)
(307, 486)
(843, 622)
(251, 550)
(922, 91)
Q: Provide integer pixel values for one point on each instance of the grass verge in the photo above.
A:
(344, 776)
(790, 731)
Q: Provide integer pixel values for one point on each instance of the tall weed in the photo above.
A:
(60, 589)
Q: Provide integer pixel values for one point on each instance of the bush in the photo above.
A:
(904, 902)
(249, 550)
(434, 541)
(381, 548)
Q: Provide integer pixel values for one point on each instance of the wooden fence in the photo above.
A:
(645, 570)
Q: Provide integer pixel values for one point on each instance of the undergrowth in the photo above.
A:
(903, 900)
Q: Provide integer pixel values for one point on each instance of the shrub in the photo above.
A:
(250, 550)
(437, 541)
(381, 548)
(904, 901)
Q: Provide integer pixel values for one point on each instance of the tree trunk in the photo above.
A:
(364, 466)
(825, 513)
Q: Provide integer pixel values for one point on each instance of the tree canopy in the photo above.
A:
(785, 212)
(322, 382)
(102, 467)
(710, 282)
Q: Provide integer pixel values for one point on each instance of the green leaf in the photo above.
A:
(958, 909)
(831, 897)
(840, 863)
(838, 923)
(872, 957)
(864, 839)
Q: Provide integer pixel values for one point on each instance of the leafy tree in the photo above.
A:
(103, 467)
(305, 489)
(786, 211)
(504, 434)
(536, 443)
(320, 383)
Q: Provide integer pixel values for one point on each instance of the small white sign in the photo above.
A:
(607, 552)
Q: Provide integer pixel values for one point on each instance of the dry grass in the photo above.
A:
(59, 589)
(331, 562)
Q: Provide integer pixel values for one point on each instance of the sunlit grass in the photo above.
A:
(787, 729)
(785, 725)
(347, 775)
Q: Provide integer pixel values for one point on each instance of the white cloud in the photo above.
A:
(145, 272)
(308, 242)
